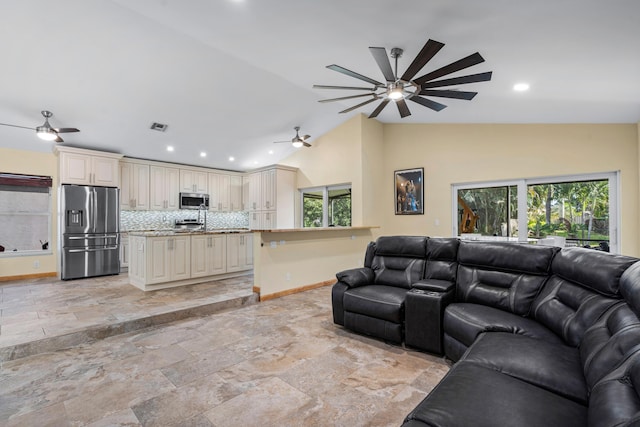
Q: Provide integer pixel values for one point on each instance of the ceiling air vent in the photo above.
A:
(160, 127)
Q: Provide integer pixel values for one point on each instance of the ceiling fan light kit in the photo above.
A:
(297, 141)
(406, 87)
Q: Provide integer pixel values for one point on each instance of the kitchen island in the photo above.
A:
(169, 258)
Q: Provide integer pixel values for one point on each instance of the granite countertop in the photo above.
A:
(172, 232)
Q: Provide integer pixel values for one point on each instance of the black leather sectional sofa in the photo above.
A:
(539, 336)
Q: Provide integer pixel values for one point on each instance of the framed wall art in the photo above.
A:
(409, 191)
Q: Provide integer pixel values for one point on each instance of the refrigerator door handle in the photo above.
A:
(106, 248)
(104, 236)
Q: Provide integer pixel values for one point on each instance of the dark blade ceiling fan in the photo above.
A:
(45, 131)
(406, 87)
(297, 141)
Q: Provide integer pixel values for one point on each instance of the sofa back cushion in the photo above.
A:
(442, 258)
(507, 276)
(585, 283)
(399, 260)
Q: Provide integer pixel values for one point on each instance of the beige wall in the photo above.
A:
(29, 162)
(452, 154)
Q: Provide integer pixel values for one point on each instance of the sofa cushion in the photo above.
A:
(502, 275)
(381, 302)
(442, 255)
(615, 400)
(568, 308)
(473, 395)
(465, 322)
(552, 366)
(399, 260)
(596, 270)
(630, 287)
(379, 328)
(356, 277)
(610, 341)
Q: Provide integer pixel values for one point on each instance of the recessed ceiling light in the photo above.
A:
(203, 154)
(169, 147)
(521, 87)
(270, 151)
(255, 162)
(231, 159)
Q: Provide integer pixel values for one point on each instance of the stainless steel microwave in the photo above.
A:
(194, 200)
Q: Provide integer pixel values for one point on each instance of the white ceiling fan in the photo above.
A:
(297, 141)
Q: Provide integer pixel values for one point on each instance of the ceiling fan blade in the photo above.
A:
(403, 108)
(456, 94)
(306, 144)
(359, 105)
(428, 51)
(381, 57)
(66, 130)
(343, 87)
(346, 97)
(379, 108)
(350, 73)
(282, 142)
(306, 137)
(58, 139)
(16, 126)
(435, 106)
(472, 78)
(461, 64)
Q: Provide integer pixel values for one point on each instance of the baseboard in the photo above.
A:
(28, 276)
(256, 290)
(295, 290)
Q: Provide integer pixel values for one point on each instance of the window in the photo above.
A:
(25, 212)
(326, 206)
(577, 210)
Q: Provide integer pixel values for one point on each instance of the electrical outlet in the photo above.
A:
(36, 264)
(287, 277)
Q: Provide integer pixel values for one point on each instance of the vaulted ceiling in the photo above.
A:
(229, 77)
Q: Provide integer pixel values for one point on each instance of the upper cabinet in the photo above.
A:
(164, 188)
(271, 195)
(235, 193)
(88, 167)
(193, 181)
(134, 186)
(225, 192)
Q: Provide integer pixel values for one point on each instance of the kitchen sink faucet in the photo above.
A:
(203, 207)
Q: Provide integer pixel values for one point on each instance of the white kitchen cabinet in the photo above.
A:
(235, 193)
(193, 181)
(88, 167)
(271, 194)
(208, 255)
(163, 188)
(169, 259)
(134, 186)
(124, 251)
(218, 185)
(239, 252)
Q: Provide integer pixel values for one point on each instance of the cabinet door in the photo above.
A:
(235, 193)
(199, 255)
(247, 249)
(75, 169)
(180, 258)
(172, 188)
(124, 250)
(105, 171)
(157, 190)
(192, 181)
(217, 254)
(216, 196)
(233, 253)
(126, 187)
(140, 186)
(268, 182)
(255, 221)
(268, 220)
(246, 193)
(255, 192)
(137, 258)
(158, 260)
(223, 192)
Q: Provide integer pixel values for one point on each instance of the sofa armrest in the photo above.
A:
(356, 277)
(433, 285)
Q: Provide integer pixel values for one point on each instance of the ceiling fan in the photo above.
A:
(45, 131)
(297, 141)
(406, 87)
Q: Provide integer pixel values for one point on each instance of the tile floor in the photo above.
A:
(277, 363)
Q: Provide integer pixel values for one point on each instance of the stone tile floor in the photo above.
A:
(277, 363)
(48, 314)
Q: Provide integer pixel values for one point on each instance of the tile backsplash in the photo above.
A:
(158, 220)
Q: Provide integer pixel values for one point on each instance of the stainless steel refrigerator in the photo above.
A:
(90, 231)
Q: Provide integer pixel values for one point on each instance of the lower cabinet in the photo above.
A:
(157, 262)
(124, 251)
(208, 255)
(239, 252)
(169, 259)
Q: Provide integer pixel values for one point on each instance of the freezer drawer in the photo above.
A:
(90, 262)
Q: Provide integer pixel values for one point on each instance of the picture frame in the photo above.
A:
(409, 191)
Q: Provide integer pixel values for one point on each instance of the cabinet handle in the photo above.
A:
(254, 205)
(268, 204)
